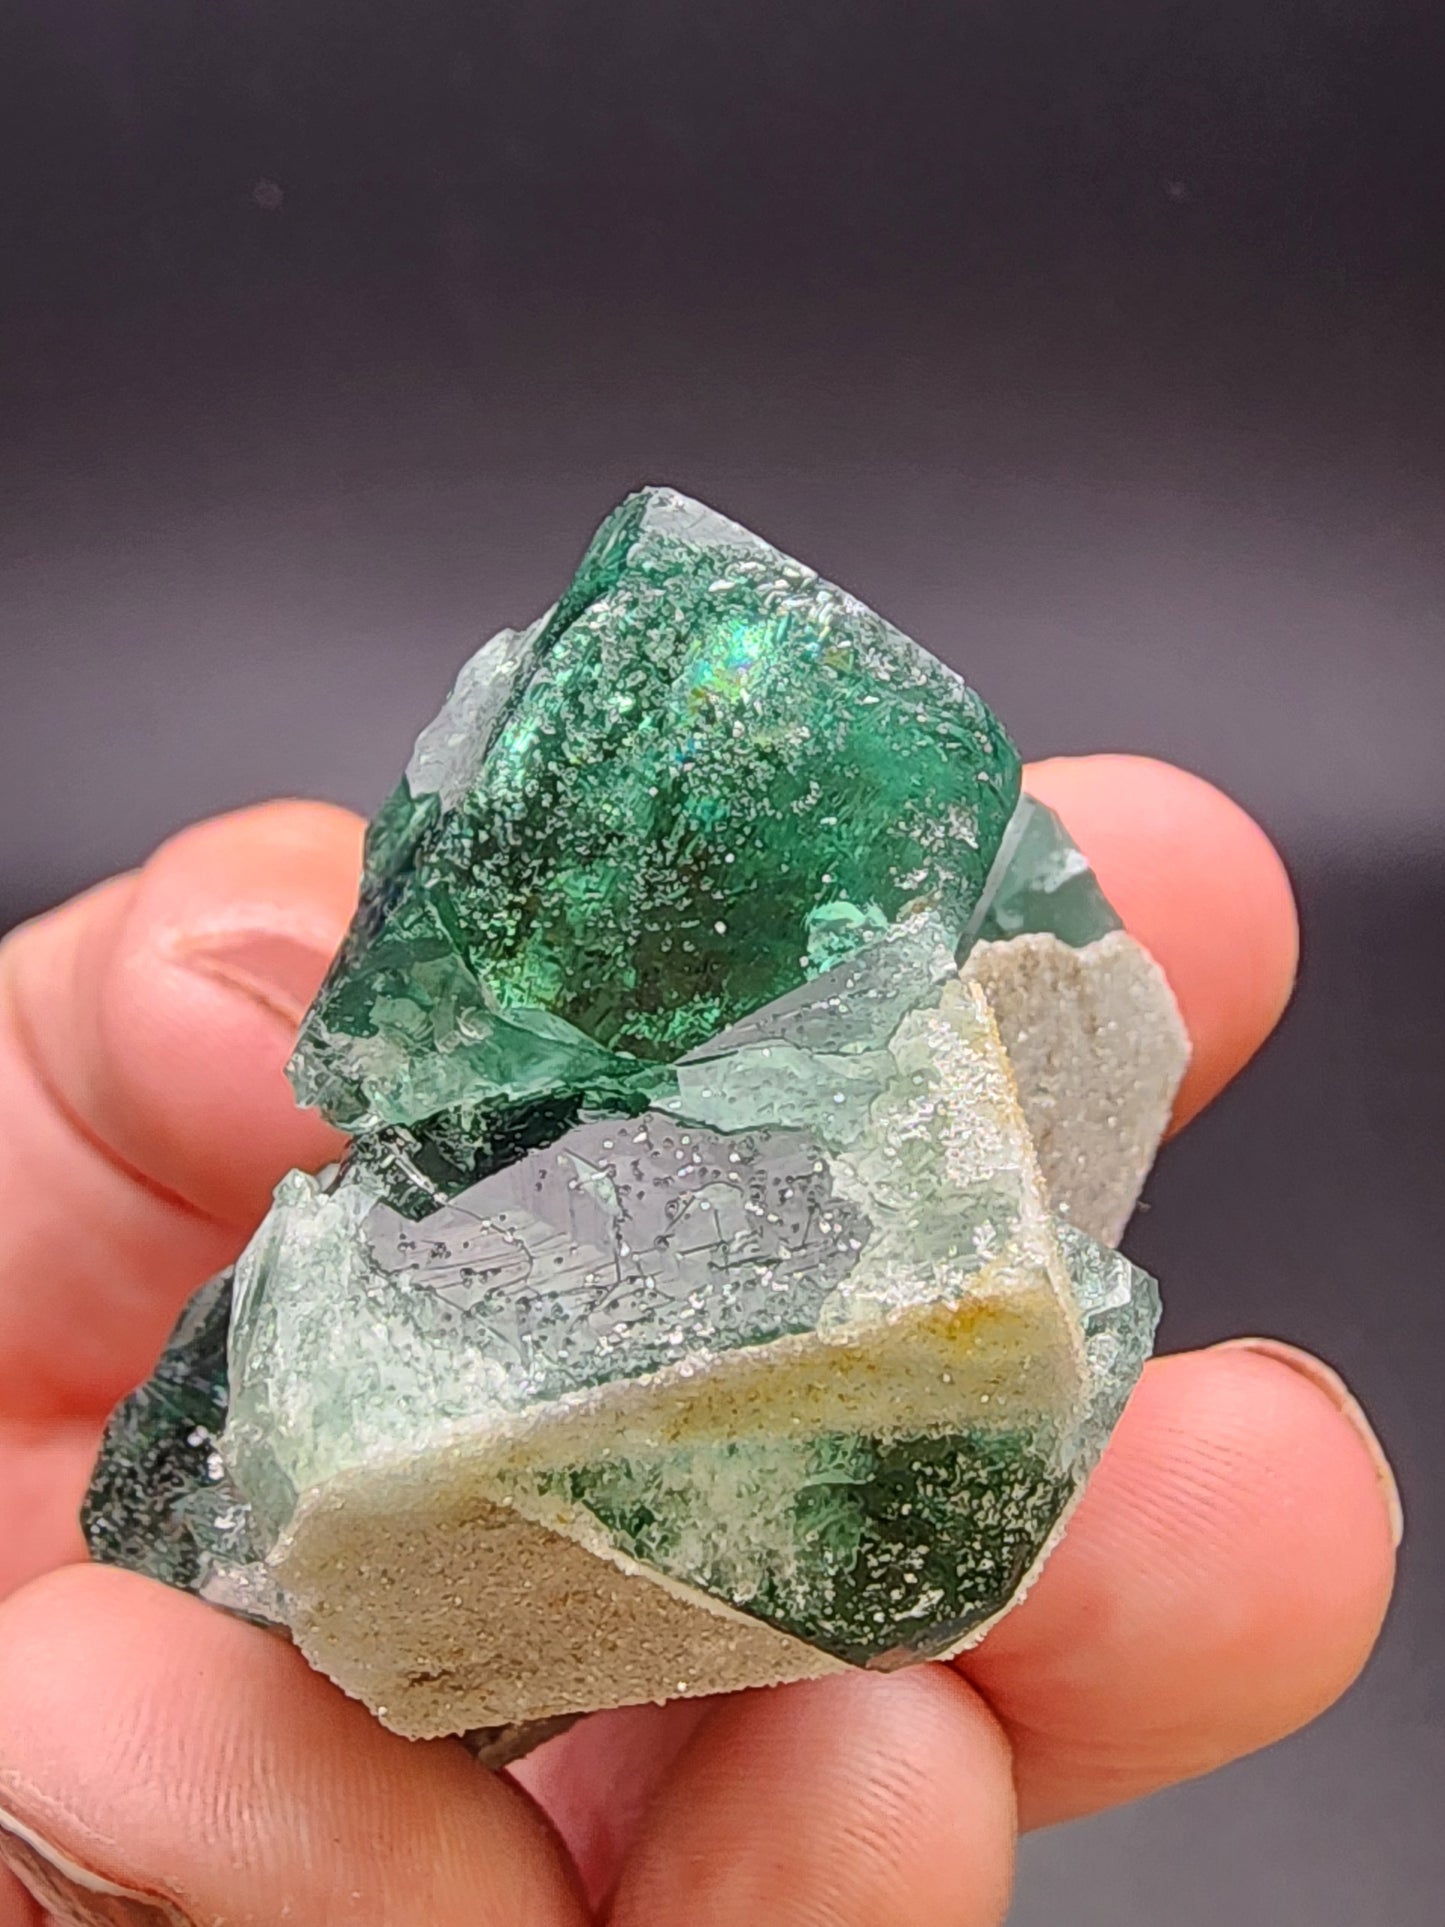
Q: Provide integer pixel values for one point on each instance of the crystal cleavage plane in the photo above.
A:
(747, 1087)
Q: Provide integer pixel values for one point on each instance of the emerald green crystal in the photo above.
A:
(162, 1450)
(944, 1525)
(878, 1548)
(161, 1500)
(689, 1310)
(704, 776)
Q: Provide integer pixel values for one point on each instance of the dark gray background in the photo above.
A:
(1098, 346)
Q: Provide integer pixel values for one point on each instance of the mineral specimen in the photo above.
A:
(702, 777)
(708, 1297)
(1097, 1048)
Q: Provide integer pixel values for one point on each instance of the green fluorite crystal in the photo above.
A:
(704, 776)
(689, 1302)
(1043, 883)
(162, 1500)
(149, 1502)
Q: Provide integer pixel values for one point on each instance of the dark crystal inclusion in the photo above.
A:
(962, 1516)
(416, 1170)
(160, 1500)
(704, 776)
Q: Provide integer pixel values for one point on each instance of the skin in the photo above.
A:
(1224, 1579)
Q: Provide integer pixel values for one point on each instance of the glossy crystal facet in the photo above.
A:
(691, 1309)
(704, 776)
(1043, 883)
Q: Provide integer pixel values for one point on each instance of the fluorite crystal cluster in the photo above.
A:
(747, 1086)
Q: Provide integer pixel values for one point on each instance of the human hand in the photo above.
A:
(1222, 1582)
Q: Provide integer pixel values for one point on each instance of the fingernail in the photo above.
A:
(276, 969)
(71, 1894)
(1327, 1380)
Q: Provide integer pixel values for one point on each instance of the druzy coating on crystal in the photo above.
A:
(702, 777)
(630, 1245)
(690, 1310)
(831, 1366)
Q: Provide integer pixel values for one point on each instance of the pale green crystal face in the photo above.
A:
(869, 1213)
(813, 1537)
(692, 1229)
(1042, 882)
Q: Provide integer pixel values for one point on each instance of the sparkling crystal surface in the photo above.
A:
(692, 1234)
(824, 1535)
(702, 777)
(839, 1536)
(730, 1354)
(161, 1500)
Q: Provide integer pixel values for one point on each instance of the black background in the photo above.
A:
(1099, 346)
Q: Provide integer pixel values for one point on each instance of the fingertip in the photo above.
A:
(323, 836)
(175, 1751)
(280, 875)
(144, 1034)
(862, 1797)
(1328, 1382)
(1223, 1582)
(1199, 883)
(164, 1016)
(44, 1472)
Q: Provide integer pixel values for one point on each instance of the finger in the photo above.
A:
(1202, 888)
(143, 1032)
(44, 1471)
(862, 1800)
(174, 1753)
(596, 1781)
(1222, 1583)
(17, 1908)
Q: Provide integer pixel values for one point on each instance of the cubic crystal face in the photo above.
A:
(701, 778)
(692, 1310)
